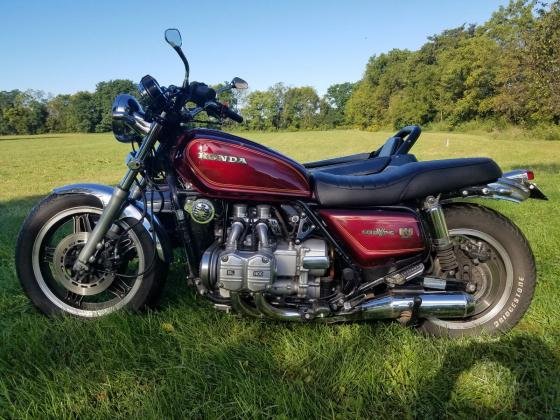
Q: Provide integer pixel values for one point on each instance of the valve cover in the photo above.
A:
(243, 270)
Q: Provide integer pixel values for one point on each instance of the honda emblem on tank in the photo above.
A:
(406, 232)
(222, 158)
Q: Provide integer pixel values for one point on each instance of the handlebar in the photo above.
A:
(205, 96)
(219, 110)
(231, 114)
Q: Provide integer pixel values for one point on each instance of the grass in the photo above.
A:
(187, 360)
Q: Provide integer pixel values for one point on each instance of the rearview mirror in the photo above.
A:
(173, 38)
(239, 83)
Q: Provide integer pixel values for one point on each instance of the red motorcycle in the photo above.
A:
(369, 236)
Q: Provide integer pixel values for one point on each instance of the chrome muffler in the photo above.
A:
(394, 306)
(435, 304)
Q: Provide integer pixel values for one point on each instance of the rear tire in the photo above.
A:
(52, 290)
(511, 291)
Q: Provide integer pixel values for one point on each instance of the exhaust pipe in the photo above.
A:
(434, 304)
(244, 308)
(270, 311)
(439, 305)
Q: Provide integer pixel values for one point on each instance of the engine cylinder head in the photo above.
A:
(263, 211)
(240, 211)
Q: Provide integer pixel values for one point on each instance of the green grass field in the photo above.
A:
(188, 360)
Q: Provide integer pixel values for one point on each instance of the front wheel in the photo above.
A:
(127, 273)
(496, 259)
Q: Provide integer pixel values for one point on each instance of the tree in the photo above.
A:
(332, 112)
(263, 109)
(58, 115)
(22, 112)
(301, 107)
(83, 112)
(509, 28)
(544, 61)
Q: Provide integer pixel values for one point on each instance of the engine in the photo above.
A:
(264, 253)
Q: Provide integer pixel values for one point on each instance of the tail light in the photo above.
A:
(522, 175)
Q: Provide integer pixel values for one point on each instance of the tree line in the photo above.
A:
(503, 72)
(32, 112)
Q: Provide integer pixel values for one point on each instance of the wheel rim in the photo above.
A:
(492, 297)
(113, 295)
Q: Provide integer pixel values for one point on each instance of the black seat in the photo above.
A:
(398, 184)
(368, 166)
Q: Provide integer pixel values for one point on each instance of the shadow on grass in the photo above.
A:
(528, 359)
(2, 139)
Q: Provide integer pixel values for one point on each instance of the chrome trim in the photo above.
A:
(447, 305)
(434, 283)
(244, 308)
(51, 296)
(496, 307)
(509, 189)
(128, 110)
(270, 311)
(436, 304)
(316, 262)
(133, 210)
(433, 207)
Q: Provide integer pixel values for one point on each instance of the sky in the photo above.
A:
(62, 46)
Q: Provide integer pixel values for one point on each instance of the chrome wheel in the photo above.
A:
(114, 278)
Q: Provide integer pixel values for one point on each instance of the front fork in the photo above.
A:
(115, 204)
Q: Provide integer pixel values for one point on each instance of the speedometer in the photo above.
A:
(152, 93)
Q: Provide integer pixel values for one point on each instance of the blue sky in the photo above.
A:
(61, 46)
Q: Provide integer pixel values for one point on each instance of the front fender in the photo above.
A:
(133, 210)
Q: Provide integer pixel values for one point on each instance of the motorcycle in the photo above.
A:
(368, 236)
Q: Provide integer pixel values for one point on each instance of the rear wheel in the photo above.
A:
(127, 272)
(496, 260)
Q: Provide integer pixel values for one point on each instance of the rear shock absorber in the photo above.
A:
(440, 234)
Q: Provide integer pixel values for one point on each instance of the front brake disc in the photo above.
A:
(65, 254)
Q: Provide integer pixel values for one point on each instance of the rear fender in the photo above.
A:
(134, 210)
(512, 186)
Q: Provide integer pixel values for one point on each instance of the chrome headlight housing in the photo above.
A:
(129, 121)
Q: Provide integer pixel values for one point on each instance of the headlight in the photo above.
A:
(129, 123)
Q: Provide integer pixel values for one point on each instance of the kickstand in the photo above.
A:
(417, 301)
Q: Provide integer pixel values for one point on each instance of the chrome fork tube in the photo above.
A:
(114, 206)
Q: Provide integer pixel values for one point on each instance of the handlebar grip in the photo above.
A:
(220, 110)
(231, 114)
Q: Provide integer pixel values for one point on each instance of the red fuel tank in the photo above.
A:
(224, 165)
(374, 236)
